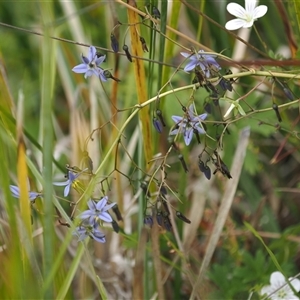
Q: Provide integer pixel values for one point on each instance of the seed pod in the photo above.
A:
(163, 190)
(201, 165)
(117, 212)
(288, 93)
(207, 172)
(159, 114)
(148, 220)
(159, 218)
(107, 74)
(144, 187)
(182, 217)
(155, 12)
(115, 226)
(128, 55)
(207, 107)
(225, 84)
(181, 158)
(144, 45)
(275, 107)
(114, 43)
(167, 223)
(165, 205)
(225, 170)
(157, 125)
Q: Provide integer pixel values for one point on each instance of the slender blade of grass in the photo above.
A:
(47, 83)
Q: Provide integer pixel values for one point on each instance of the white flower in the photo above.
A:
(245, 16)
(279, 289)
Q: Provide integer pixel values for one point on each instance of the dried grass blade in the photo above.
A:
(140, 78)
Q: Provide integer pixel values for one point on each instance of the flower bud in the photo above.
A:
(128, 55)
(157, 125)
(144, 45)
(275, 107)
(114, 43)
(148, 220)
(182, 217)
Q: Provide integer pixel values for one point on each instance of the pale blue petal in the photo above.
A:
(100, 60)
(203, 116)
(89, 73)
(109, 206)
(15, 191)
(67, 190)
(85, 60)
(92, 205)
(98, 236)
(61, 183)
(190, 65)
(105, 217)
(33, 195)
(102, 76)
(185, 54)
(100, 205)
(92, 53)
(177, 119)
(86, 214)
(199, 129)
(173, 132)
(82, 68)
(188, 135)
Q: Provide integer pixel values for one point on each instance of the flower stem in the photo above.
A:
(260, 39)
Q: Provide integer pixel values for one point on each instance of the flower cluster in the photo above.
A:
(92, 218)
(91, 65)
(205, 61)
(188, 125)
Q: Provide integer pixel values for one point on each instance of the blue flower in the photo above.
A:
(90, 65)
(68, 183)
(89, 229)
(98, 210)
(204, 61)
(15, 191)
(187, 124)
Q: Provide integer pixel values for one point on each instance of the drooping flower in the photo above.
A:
(90, 65)
(245, 16)
(68, 183)
(98, 210)
(279, 288)
(89, 228)
(15, 191)
(188, 124)
(204, 61)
